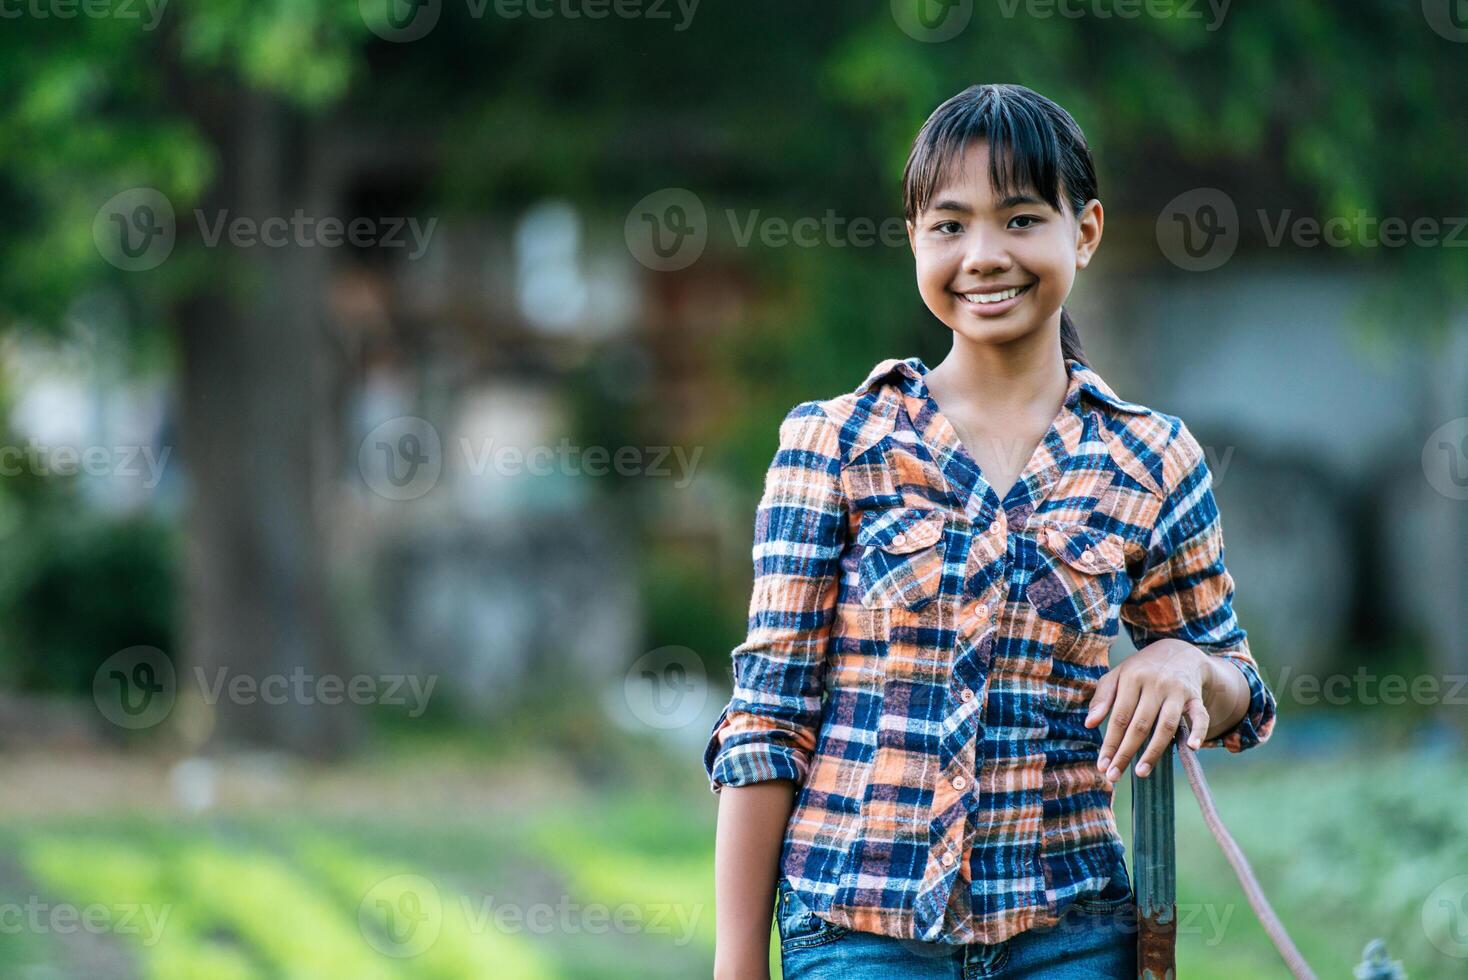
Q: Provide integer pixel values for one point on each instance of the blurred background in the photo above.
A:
(386, 389)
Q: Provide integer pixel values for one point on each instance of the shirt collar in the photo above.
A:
(1083, 379)
(1092, 384)
(911, 368)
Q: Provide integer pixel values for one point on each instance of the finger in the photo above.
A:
(1167, 720)
(1198, 719)
(1121, 716)
(1101, 699)
(1136, 733)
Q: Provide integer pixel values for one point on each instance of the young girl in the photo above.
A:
(912, 763)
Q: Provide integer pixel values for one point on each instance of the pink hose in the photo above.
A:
(1260, 904)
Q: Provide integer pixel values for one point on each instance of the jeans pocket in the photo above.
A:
(1117, 894)
(798, 926)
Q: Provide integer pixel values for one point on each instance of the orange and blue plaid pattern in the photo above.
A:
(921, 654)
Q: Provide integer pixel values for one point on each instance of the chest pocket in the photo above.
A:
(1081, 577)
(902, 556)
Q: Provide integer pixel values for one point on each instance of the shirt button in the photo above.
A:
(959, 782)
(899, 539)
(948, 860)
(983, 610)
(967, 695)
(994, 527)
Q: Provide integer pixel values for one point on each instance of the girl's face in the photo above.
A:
(968, 244)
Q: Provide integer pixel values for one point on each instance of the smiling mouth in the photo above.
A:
(986, 299)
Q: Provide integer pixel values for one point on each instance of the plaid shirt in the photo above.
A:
(921, 654)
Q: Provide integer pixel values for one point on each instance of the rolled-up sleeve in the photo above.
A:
(768, 729)
(1185, 592)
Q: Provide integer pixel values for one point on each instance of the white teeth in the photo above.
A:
(993, 297)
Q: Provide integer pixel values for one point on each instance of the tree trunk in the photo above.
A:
(253, 356)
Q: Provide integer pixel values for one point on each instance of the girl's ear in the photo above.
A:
(1088, 232)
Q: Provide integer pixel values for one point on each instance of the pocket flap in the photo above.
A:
(901, 529)
(1083, 548)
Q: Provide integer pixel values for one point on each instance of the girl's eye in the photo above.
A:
(947, 227)
(1026, 217)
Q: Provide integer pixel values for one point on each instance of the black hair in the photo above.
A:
(1046, 151)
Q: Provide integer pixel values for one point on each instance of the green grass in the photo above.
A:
(614, 879)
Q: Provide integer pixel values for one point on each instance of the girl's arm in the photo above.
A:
(1193, 656)
(746, 863)
(763, 742)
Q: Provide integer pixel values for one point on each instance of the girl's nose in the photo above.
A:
(984, 254)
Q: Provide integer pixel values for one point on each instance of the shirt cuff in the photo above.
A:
(1258, 721)
(753, 754)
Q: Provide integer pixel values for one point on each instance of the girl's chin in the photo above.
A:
(998, 330)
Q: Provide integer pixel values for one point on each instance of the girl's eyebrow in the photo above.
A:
(1013, 200)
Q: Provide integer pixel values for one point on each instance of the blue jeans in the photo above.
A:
(1097, 937)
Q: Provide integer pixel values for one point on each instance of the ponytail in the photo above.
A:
(1070, 340)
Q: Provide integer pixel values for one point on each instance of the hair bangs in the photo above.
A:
(1024, 152)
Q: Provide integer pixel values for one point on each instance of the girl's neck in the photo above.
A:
(1007, 379)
